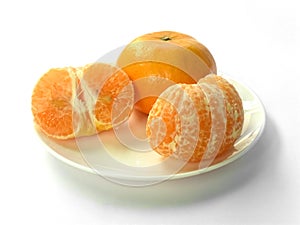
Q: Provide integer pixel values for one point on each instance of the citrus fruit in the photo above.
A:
(164, 55)
(233, 109)
(53, 101)
(196, 122)
(71, 102)
(108, 94)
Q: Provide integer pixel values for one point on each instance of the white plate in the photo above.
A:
(119, 160)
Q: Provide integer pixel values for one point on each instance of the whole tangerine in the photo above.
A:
(159, 57)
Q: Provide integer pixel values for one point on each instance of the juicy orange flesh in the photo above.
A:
(166, 112)
(51, 103)
(166, 109)
(234, 110)
(108, 94)
(112, 94)
(216, 104)
(68, 96)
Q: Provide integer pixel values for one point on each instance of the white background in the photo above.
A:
(256, 42)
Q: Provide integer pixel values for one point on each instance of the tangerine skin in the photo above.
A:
(170, 55)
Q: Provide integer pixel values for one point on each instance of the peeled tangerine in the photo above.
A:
(71, 102)
(196, 122)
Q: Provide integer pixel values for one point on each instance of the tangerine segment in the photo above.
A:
(108, 93)
(181, 115)
(233, 107)
(52, 102)
(216, 103)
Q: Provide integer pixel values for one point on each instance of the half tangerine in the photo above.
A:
(53, 102)
(108, 94)
(72, 102)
